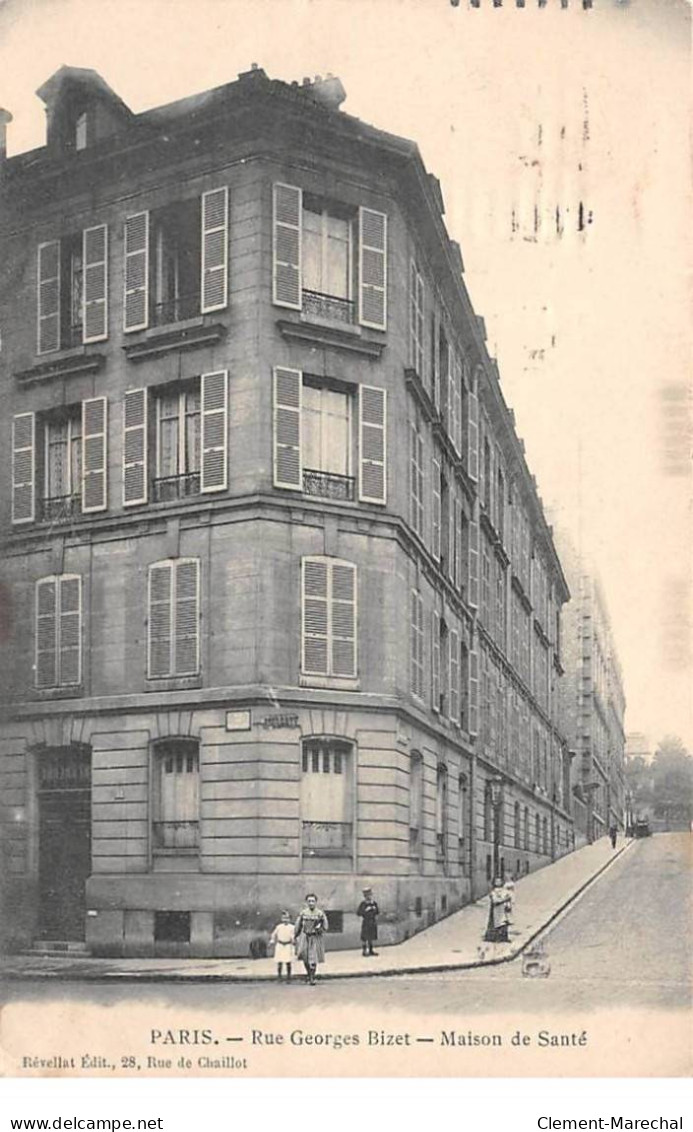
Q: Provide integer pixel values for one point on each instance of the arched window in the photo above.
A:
(175, 796)
(327, 798)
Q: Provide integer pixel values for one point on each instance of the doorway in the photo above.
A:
(64, 858)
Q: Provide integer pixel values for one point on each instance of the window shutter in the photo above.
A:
(288, 386)
(457, 439)
(435, 511)
(286, 246)
(343, 619)
(435, 358)
(160, 660)
(23, 467)
(136, 276)
(414, 644)
(214, 431)
(372, 268)
(186, 615)
(473, 436)
(454, 670)
(315, 617)
(94, 470)
(435, 661)
(473, 692)
(95, 295)
(70, 629)
(135, 447)
(215, 251)
(46, 669)
(459, 523)
(372, 444)
(48, 297)
(474, 563)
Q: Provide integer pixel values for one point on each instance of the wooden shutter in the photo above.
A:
(215, 249)
(372, 444)
(288, 387)
(473, 692)
(454, 670)
(287, 215)
(315, 616)
(186, 617)
(94, 454)
(135, 447)
(435, 660)
(69, 630)
(435, 358)
(214, 431)
(136, 274)
(435, 510)
(160, 635)
(48, 297)
(95, 291)
(343, 619)
(474, 563)
(473, 436)
(457, 439)
(372, 268)
(46, 668)
(414, 644)
(23, 467)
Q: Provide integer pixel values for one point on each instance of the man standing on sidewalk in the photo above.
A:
(368, 911)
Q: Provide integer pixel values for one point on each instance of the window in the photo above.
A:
(81, 123)
(62, 464)
(461, 816)
(545, 836)
(176, 261)
(176, 796)
(189, 436)
(537, 833)
(72, 295)
(329, 260)
(415, 804)
(174, 618)
(487, 485)
(436, 509)
(326, 439)
(500, 604)
(329, 646)
(472, 415)
(454, 673)
(416, 476)
(464, 687)
(488, 813)
(516, 825)
(485, 611)
(417, 645)
(440, 668)
(326, 798)
(525, 830)
(58, 637)
(442, 813)
(416, 320)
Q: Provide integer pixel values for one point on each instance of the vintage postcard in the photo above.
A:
(346, 595)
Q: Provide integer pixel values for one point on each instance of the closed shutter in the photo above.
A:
(435, 661)
(474, 692)
(459, 523)
(46, 633)
(474, 564)
(414, 644)
(214, 431)
(159, 638)
(315, 617)
(372, 444)
(94, 454)
(343, 619)
(48, 297)
(287, 213)
(215, 253)
(135, 447)
(136, 275)
(70, 630)
(473, 436)
(372, 268)
(288, 385)
(457, 439)
(435, 358)
(23, 467)
(454, 669)
(186, 617)
(435, 510)
(95, 304)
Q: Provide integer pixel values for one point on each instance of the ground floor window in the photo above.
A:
(327, 809)
(176, 796)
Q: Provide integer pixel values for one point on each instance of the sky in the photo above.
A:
(515, 110)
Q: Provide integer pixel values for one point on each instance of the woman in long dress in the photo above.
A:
(311, 926)
(498, 913)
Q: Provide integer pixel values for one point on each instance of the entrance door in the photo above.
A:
(64, 841)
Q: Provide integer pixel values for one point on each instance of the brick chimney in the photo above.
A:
(5, 118)
(327, 91)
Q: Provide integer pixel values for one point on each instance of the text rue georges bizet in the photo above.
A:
(542, 1039)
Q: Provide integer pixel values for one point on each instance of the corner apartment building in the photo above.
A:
(285, 607)
(594, 701)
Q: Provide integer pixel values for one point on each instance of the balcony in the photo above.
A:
(176, 487)
(175, 836)
(328, 308)
(327, 839)
(60, 508)
(328, 485)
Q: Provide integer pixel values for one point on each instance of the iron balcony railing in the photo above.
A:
(60, 508)
(176, 310)
(328, 485)
(329, 307)
(175, 834)
(176, 487)
(327, 838)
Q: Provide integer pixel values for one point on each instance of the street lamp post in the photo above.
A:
(496, 785)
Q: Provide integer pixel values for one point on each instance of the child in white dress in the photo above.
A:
(283, 939)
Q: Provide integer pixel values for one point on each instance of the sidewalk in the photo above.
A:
(453, 943)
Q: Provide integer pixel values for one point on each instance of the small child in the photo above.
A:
(283, 939)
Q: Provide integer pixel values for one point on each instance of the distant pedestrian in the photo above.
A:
(283, 939)
(311, 926)
(613, 834)
(498, 913)
(368, 911)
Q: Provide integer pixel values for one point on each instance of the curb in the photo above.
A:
(390, 972)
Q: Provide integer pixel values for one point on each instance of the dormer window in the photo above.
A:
(80, 131)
